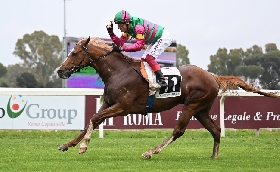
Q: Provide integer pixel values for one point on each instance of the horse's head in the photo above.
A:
(76, 59)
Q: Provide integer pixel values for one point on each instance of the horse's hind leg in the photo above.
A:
(204, 118)
(187, 113)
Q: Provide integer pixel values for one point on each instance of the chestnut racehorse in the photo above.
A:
(126, 92)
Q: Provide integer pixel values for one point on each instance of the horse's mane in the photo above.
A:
(102, 44)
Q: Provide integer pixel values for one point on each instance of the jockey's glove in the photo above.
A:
(109, 28)
(116, 48)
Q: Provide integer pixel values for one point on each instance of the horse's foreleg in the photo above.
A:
(208, 123)
(77, 140)
(97, 119)
(74, 142)
(87, 136)
(178, 131)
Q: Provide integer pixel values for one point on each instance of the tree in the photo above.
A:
(26, 80)
(224, 63)
(3, 70)
(250, 72)
(254, 50)
(14, 71)
(41, 54)
(218, 62)
(252, 64)
(235, 57)
(182, 55)
(269, 62)
(3, 82)
(271, 76)
(55, 81)
(271, 47)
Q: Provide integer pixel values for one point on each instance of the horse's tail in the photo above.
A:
(231, 82)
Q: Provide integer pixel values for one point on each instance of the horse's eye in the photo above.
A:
(74, 53)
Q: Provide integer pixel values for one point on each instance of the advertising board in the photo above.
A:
(240, 113)
(42, 112)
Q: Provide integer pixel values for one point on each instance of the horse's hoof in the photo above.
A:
(63, 148)
(147, 155)
(214, 156)
(82, 150)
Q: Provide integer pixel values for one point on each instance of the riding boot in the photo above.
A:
(160, 78)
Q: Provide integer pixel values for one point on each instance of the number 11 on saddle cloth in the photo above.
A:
(172, 77)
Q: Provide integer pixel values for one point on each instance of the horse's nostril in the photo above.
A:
(59, 73)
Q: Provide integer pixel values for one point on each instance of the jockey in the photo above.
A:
(157, 38)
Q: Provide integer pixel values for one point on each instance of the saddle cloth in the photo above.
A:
(172, 77)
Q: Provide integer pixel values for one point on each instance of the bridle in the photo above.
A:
(85, 48)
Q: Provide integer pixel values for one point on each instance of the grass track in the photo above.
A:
(240, 150)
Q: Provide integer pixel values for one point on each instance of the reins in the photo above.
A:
(139, 73)
(76, 68)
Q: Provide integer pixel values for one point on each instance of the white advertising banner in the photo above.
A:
(42, 112)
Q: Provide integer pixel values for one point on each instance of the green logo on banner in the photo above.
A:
(16, 106)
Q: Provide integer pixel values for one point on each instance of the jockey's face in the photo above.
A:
(123, 27)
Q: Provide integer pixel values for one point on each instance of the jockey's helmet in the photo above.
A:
(122, 17)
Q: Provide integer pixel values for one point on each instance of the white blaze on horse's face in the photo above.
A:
(69, 54)
(67, 57)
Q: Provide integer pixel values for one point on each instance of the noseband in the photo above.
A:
(85, 48)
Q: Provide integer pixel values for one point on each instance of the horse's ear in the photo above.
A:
(88, 40)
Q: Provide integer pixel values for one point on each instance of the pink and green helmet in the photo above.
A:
(123, 17)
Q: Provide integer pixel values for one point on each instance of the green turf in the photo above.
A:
(121, 151)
